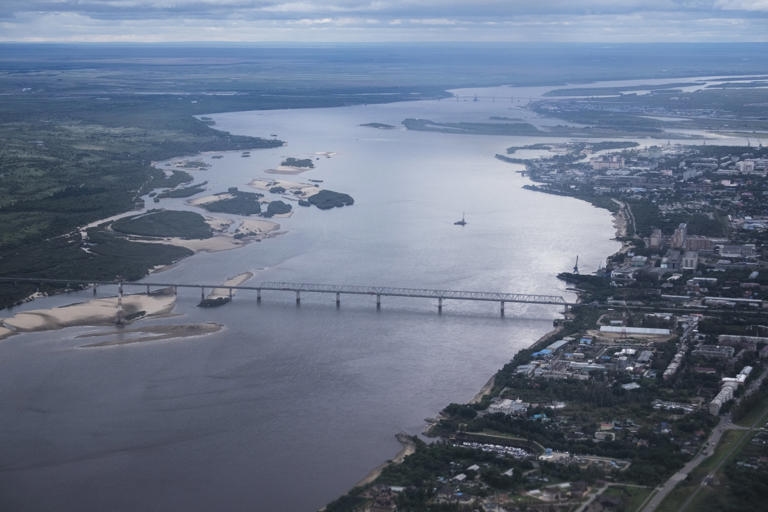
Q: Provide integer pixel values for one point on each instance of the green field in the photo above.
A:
(165, 224)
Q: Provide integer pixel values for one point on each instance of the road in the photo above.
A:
(707, 451)
(751, 389)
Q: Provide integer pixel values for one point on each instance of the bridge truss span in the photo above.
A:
(337, 289)
(414, 292)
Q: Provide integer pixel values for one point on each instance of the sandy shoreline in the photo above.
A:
(94, 312)
(409, 447)
(485, 390)
(247, 230)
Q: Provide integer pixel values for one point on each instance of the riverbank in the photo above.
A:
(620, 223)
(408, 448)
(408, 444)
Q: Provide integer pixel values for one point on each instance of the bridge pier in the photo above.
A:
(230, 294)
(338, 299)
(94, 290)
(202, 293)
(439, 305)
(147, 289)
(298, 297)
(378, 302)
(501, 309)
(258, 295)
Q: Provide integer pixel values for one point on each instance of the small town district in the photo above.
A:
(651, 393)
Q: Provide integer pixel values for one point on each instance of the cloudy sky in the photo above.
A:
(384, 20)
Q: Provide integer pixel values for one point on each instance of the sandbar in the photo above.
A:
(94, 312)
(152, 333)
(214, 244)
(287, 169)
(223, 291)
(248, 230)
(257, 228)
(210, 199)
(293, 190)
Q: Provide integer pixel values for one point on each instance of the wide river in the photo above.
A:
(288, 407)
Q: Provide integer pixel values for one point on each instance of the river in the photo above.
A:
(288, 406)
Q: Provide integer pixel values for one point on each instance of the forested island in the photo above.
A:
(327, 199)
(164, 223)
(298, 162)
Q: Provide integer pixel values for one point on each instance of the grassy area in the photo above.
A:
(728, 448)
(758, 415)
(631, 497)
(165, 223)
(238, 203)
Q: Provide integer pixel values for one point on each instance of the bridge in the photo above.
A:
(338, 290)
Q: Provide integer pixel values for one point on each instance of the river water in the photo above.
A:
(289, 406)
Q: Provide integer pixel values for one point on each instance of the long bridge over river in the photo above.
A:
(334, 289)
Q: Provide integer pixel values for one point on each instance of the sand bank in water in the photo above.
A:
(94, 312)
(288, 169)
(293, 190)
(151, 333)
(248, 230)
(223, 292)
(210, 199)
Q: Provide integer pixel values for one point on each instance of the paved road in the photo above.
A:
(709, 448)
(752, 388)
(681, 475)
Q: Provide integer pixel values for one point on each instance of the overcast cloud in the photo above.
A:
(384, 20)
